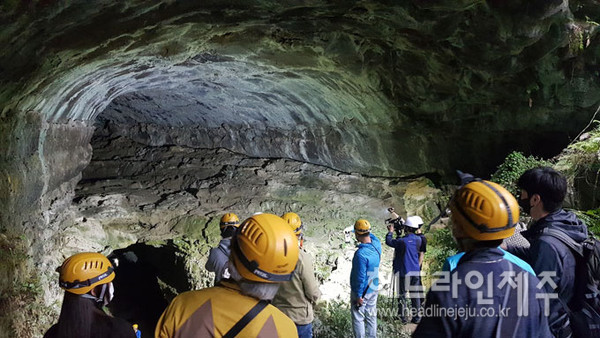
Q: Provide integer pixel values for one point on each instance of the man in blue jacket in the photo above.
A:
(542, 193)
(364, 280)
(406, 266)
(486, 295)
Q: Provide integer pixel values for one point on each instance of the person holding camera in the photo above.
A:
(406, 266)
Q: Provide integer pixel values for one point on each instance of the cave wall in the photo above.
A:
(369, 88)
(171, 197)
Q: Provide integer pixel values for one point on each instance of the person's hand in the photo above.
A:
(359, 302)
(391, 228)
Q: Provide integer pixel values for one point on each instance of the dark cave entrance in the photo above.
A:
(147, 279)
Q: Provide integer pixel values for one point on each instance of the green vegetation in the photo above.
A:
(581, 157)
(581, 165)
(20, 289)
(591, 219)
(440, 245)
(579, 162)
(333, 319)
(513, 167)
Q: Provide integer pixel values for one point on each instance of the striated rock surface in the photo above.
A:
(169, 199)
(331, 109)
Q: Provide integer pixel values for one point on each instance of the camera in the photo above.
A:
(397, 222)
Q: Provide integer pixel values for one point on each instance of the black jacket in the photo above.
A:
(550, 254)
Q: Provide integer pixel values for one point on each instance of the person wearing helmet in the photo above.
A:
(543, 191)
(489, 296)
(138, 333)
(406, 267)
(364, 280)
(218, 256)
(87, 280)
(422, 250)
(264, 253)
(418, 221)
(296, 297)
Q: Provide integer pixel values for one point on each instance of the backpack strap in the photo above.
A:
(367, 288)
(241, 324)
(374, 247)
(565, 239)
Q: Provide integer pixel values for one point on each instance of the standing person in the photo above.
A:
(543, 191)
(87, 280)
(264, 253)
(138, 333)
(422, 250)
(219, 256)
(486, 295)
(364, 280)
(417, 221)
(406, 267)
(297, 297)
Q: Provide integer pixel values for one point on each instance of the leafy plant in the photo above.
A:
(440, 246)
(333, 319)
(513, 167)
(388, 325)
(591, 219)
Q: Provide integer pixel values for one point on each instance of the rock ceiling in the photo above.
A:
(378, 87)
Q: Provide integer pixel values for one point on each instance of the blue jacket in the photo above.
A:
(406, 252)
(550, 254)
(451, 262)
(365, 268)
(498, 318)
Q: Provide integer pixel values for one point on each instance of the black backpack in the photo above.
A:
(584, 307)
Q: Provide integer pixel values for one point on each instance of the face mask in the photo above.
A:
(525, 205)
(108, 296)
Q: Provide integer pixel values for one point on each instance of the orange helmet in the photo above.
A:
(265, 249)
(229, 219)
(293, 220)
(362, 227)
(82, 272)
(484, 210)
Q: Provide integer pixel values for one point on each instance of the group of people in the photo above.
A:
(490, 288)
(264, 287)
(523, 291)
(265, 283)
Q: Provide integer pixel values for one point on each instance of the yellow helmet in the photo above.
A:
(362, 226)
(84, 271)
(265, 249)
(485, 210)
(293, 220)
(229, 219)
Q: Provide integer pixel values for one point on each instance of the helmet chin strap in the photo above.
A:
(104, 297)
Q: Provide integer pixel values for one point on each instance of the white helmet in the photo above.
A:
(414, 222)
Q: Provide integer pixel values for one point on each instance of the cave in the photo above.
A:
(129, 128)
(139, 271)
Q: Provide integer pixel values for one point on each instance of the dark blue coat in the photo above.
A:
(500, 317)
(549, 254)
(406, 252)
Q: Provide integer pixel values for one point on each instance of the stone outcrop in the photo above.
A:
(171, 198)
(346, 104)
